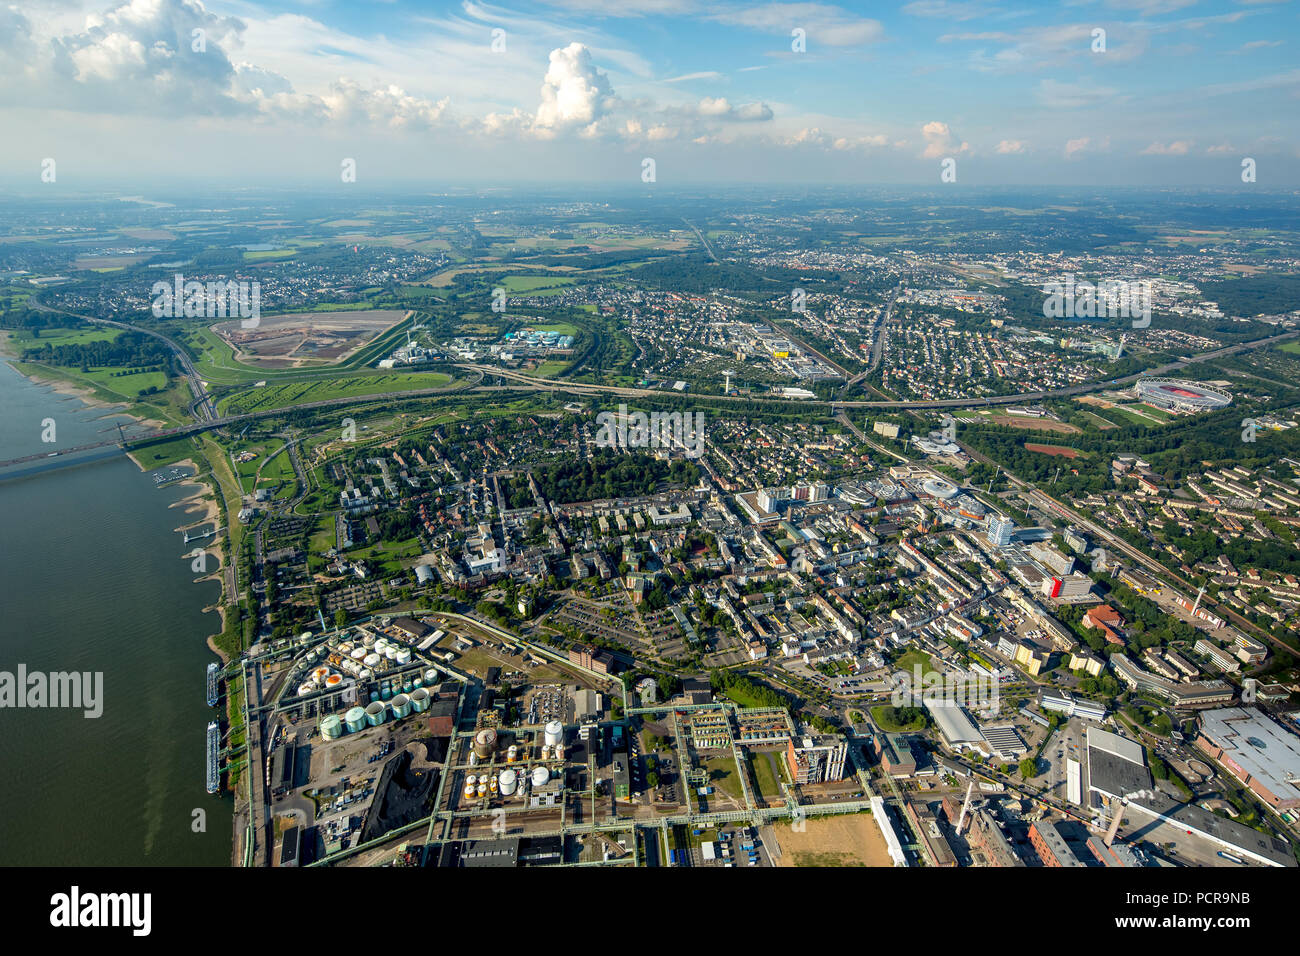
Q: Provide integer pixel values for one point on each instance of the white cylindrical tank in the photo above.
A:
(482, 789)
(554, 733)
(372, 660)
(305, 688)
(546, 752)
(509, 781)
(333, 681)
(431, 675)
(358, 653)
(355, 719)
(512, 754)
(559, 751)
(473, 758)
(419, 700)
(368, 640)
(469, 790)
(331, 728)
(403, 655)
(375, 713)
(492, 784)
(540, 776)
(345, 648)
(390, 652)
(401, 705)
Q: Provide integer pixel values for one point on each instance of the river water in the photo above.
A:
(93, 578)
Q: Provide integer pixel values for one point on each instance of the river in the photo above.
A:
(94, 580)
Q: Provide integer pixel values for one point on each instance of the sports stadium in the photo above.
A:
(1179, 395)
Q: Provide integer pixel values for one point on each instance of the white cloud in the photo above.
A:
(574, 92)
(1009, 146)
(1177, 148)
(940, 141)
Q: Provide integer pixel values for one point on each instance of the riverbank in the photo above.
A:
(204, 497)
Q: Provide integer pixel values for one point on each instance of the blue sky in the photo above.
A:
(585, 90)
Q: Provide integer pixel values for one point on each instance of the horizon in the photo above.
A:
(1141, 92)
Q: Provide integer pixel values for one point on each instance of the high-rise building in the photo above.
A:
(1000, 529)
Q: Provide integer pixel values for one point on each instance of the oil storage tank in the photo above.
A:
(509, 781)
(355, 720)
(331, 728)
(419, 700)
(375, 712)
(554, 733)
(485, 743)
(401, 705)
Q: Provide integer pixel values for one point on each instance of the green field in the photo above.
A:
(269, 397)
(536, 285)
(913, 657)
(24, 339)
(723, 775)
(766, 780)
(882, 715)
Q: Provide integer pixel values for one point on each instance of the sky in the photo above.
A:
(1087, 92)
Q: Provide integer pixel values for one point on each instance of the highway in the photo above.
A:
(209, 419)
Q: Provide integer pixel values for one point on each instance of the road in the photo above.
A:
(202, 406)
(699, 235)
(1118, 544)
(533, 383)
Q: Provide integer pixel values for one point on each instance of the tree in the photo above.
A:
(1028, 768)
(652, 780)
(341, 617)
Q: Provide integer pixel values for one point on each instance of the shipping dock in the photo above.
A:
(214, 750)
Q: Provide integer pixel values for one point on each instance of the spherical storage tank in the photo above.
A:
(401, 705)
(540, 776)
(354, 720)
(554, 733)
(331, 728)
(509, 781)
(419, 700)
(375, 712)
(485, 743)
